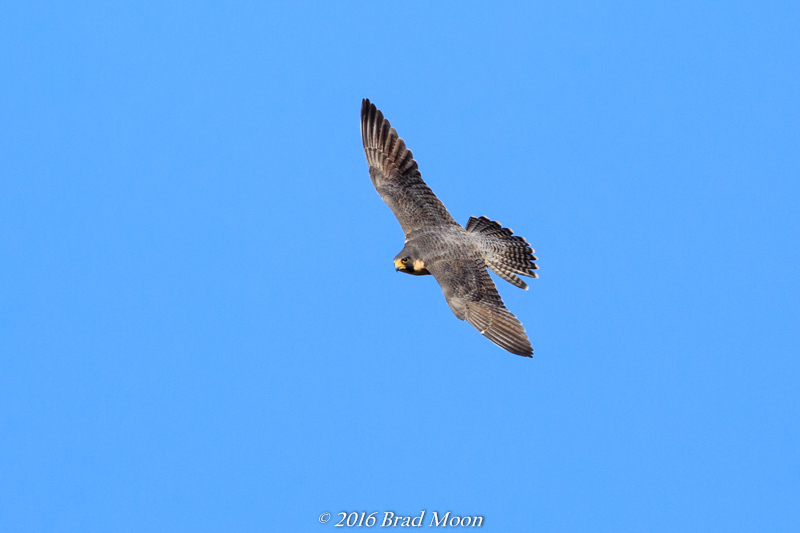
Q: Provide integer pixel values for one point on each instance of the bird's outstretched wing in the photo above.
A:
(396, 176)
(472, 296)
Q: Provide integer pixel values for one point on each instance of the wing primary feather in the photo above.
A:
(396, 176)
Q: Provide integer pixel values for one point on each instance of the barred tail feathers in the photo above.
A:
(505, 254)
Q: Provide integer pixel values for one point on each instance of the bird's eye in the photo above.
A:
(405, 260)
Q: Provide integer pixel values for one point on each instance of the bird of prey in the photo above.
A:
(436, 244)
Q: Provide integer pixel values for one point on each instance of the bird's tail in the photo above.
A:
(504, 253)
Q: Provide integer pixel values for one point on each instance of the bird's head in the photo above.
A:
(407, 261)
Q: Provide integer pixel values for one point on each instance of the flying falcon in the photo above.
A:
(436, 244)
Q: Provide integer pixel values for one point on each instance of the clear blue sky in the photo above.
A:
(202, 329)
